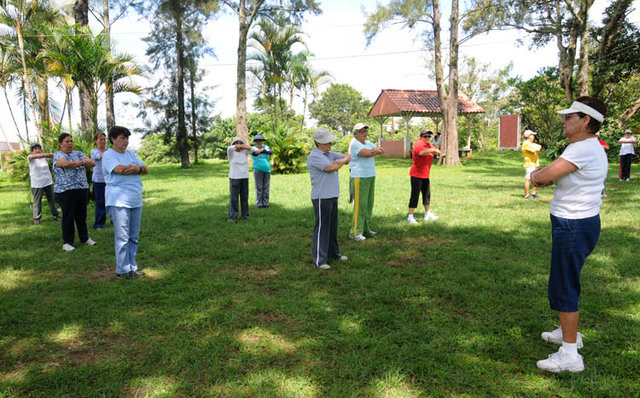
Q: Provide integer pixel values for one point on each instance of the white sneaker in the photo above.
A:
(358, 238)
(343, 258)
(555, 336)
(90, 242)
(430, 216)
(67, 247)
(372, 233)
(412, 220)
(324, 266)
(561, 361)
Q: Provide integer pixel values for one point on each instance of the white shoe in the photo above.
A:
(68, 248)
(555, 336)
(90, 242)
(412, 220)
(430, 216)
(343, 258)
(561, 361)
(324, 266)
(372, 233)
(357, 238)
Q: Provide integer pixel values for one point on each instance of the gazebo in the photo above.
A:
(408, 104)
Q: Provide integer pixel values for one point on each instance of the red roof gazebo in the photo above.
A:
(416, 103)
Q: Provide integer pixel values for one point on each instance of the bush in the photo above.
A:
(158, 149)
(289, 151)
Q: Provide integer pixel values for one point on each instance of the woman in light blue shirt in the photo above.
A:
(98, 181)
(123, 198)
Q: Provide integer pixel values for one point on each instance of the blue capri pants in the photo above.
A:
(571, 242)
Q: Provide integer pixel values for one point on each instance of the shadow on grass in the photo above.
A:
(237, 309)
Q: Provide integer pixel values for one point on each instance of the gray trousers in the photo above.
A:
(263, 181)
(37, 201)
(325, 231)
(238, 187)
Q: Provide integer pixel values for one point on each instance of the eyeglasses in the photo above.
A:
(567, 117)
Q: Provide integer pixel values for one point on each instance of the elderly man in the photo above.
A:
(323, 168)
(362, 182)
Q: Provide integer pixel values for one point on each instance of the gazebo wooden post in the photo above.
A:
(407, 119)
(469, 130)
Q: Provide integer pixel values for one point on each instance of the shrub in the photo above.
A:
(158, 149)
(289, 151)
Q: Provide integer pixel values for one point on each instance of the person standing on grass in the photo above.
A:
(579, 175)
(41, 182)
(323, 165)
(423, 153)
(98, 181)
(261, 170)
(626, 155)
(530, 152)
(72, 191)
(362, 182)
(123, 197)
(238, 153)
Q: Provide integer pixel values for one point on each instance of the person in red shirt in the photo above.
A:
(423, 153)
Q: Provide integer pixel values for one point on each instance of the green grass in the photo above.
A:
(447, 308)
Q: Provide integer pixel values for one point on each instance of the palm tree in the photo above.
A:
(9, 73)
(306, 81)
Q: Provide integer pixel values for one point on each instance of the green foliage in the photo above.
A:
(289, 151)
(158, 149)
(217, 139)
(19, 166)
(340, 108)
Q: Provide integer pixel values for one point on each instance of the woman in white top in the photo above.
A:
(41, 182)
(98, 181)
(626, 155)
(579, 175)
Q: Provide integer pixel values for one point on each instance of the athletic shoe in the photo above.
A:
(343, 258)
(561, 361)
(534, 195)
(527, 197)
(412, 220)
(36, 221)
(628, 179)
(620, 180)
(372, 233)
(68, 248)
(90, 242)
(324, 266)
(137, 273)
(430, 216)
(555, 336)
(357, 238)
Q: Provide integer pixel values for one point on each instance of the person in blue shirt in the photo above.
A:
(362, 182)
(261, 170)
(98, 180)
(123, 197)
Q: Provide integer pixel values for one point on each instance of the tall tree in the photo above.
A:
(81, 16)
(412, 13)
(248, 12)
(340, 108)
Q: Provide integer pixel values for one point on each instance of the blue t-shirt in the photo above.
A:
(261, 161)
(121, 190)
(362, 167)
(324, 185)
(69, 178)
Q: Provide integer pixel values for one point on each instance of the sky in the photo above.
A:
(394, 59)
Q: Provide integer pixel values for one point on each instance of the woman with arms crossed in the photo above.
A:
(579, 175)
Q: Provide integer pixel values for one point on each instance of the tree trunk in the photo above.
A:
(194, 119)
(628, 114)
(15, 123)
(611, 30)
(43, 100)
(26, 85)
(110, 113)
(242, 129)
(81, 16)
(183, 145)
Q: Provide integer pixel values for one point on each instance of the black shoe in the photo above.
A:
(128, 275)
(138, 273)
(535, 196)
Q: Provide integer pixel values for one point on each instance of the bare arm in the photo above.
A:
(40, 156)
(427, 151)
(336, 164)
(547, 175)
(368, 153)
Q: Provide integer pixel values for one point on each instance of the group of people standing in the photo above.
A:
(117, 191)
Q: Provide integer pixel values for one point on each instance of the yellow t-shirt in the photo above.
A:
(530, 153)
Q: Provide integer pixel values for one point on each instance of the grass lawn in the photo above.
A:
(453, 307)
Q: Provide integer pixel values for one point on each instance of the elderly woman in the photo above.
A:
(41, 182)
(72, 191)
(579, 174)
(362, 181)
(238, 153)
(123, 197)
(626, 155)
(98, 180)
(261, 170)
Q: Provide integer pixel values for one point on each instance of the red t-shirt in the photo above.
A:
(421, 164)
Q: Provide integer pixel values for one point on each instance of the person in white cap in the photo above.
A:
(323, 165)
(626, 155)
(238, 154)
(579, 175)
(530, 152)
(362, 182)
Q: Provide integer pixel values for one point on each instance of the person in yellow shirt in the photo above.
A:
(530, 152)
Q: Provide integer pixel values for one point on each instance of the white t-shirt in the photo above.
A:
(579, 194)
(238, 163)
(40, 173)
(626, 149)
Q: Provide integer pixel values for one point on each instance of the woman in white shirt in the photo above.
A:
(626, 155)
(41, 182)
(579, 175)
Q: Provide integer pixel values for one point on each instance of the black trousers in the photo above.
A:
(625, 166)
(419, 186)
(74, 209)
(325, 231)
(238, 187)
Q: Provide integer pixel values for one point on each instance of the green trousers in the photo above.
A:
(363, 193)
